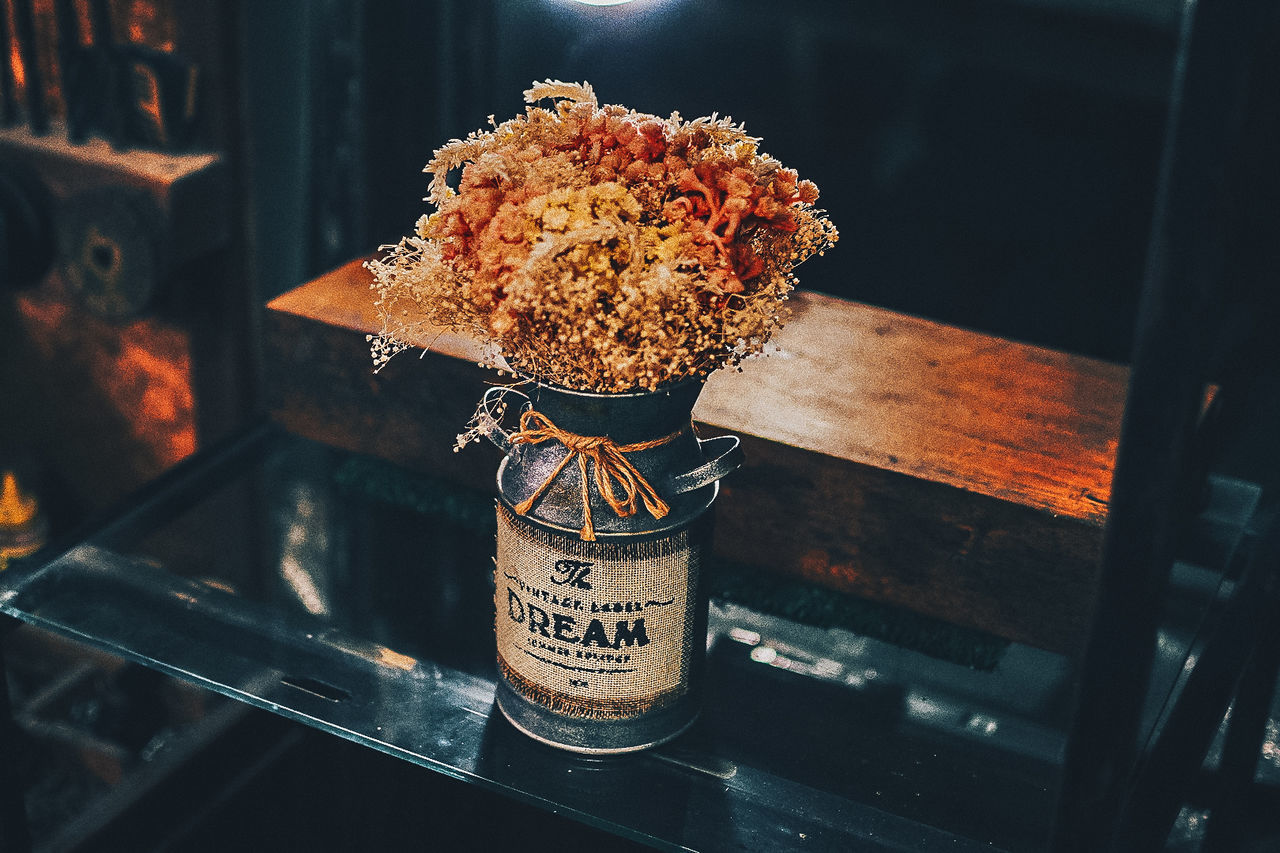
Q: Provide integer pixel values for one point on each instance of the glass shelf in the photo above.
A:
(356, 599)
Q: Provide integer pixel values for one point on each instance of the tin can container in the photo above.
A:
(603, 522)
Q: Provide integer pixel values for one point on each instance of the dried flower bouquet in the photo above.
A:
(601, 249)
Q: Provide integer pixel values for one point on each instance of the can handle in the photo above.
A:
(727, 450)
(489, 422)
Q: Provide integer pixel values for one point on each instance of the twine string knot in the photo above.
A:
(617, 479)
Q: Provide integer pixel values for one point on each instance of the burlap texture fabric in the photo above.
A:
(598, 630)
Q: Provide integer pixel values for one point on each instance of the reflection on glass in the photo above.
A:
(303, 548)
(374, 623)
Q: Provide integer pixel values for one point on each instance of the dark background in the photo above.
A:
(990, 163)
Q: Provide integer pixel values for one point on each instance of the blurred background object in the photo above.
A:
(126, 303)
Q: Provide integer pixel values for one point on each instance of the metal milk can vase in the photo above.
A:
(603, 525)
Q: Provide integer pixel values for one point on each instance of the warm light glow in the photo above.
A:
(21, 527)
(143, 369)
(16, 69)
(151, 22)
(16, 508)
(393, 659)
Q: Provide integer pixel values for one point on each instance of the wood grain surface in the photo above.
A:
(956, 474)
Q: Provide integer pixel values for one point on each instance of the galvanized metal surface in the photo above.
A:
(597, 737)
(683, 471)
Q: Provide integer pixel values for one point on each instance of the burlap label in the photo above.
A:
(601, 630)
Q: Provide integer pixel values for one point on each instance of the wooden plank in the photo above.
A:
(1030, 426)
(956, 474)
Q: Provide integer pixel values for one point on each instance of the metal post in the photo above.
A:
(1245, 735)
(15, 836)
(1156, 473)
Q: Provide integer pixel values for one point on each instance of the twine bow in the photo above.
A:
(612, 469)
